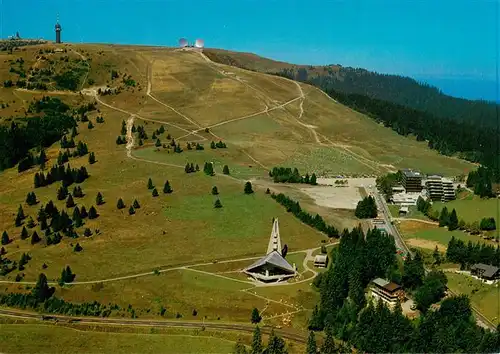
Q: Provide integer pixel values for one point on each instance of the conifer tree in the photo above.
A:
(123, 131)
(136, 204)
(329, 346)
(311, 344)
(35, 238)
(444, 217)
(87, 232)
(167, 188)
(41, 291)
(61, 193)
(74, 132)
(83, 212)
(275, 345)
(30, 224)
(188, 146)
(158, 143)
(212, 145)
(155, 192)
(77, 218)
(24, 234)
(197, 168)
(90, 125)
(453, 221)
(93, 213)
(91, 158)
(215, 191)
(313, 180)
(256, 318)
(257, 347)
(217, 204)
(77, 248)
(141, 142)
(248, 188)
(99, 200)
(131, 210)
(5, 238)
(150, 184)
(120, 204)
(20, 212)
(70, 203)
(225, 170)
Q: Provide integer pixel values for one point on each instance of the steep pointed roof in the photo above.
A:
(275, 240)
(274, 258)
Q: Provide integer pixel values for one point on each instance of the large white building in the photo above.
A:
(440, 188)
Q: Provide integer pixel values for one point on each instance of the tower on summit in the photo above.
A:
(58, 31)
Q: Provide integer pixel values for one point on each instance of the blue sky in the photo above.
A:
(446, 41)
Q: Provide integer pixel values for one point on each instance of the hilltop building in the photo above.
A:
(387, 291)
(412, 181)
(439, 188)
(273, 267)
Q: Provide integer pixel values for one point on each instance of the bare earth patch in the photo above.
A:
(427, 244)
(408, 227)
(328, 195)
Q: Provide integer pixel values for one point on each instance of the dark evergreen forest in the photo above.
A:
(469, 140)
(41, 131)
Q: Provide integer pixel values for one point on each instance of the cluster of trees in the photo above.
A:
(41, 299)
(286, 174)
(67, 276)
(99, 119)
(452, 221)
(30, 160)
(366, 208)
(120, 140)
(387, 182)
(190, 168)
(468, 254)
(375, 328)
(219, 145)
(480, 182)
(31, 198)
(275, 344)
(208, 168)
(68, 176)
(18, 139)
(68, 80)
(315, 221)
(135, 205)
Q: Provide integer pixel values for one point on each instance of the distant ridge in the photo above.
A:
(392, 88)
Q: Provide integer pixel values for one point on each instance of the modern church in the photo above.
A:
(273, 267)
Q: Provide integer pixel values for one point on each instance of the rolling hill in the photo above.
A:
(155, 98)
(392, 88)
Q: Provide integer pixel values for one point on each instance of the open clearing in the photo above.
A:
(483, 296)
(345, 197)
(31, 338)
(472, 208)
(427, 235)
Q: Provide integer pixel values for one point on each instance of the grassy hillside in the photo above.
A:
(264, 121)
(393, 88)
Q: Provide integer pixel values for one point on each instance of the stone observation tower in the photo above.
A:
(58, 32)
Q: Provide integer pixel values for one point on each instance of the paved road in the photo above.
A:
(400, 243)
(289, 334)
